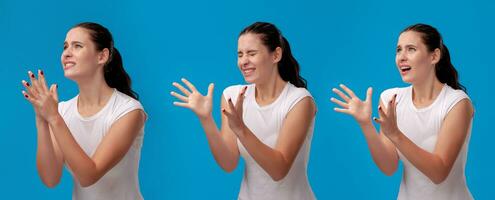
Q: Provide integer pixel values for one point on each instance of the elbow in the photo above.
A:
(50, 183)
(229, 167)
(278, 176)
(438, 179)
(389, 171)
(86, 182)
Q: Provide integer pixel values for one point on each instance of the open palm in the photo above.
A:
(191, 98)
(352, 105)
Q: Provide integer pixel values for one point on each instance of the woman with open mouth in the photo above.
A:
(426, 125)
(98, 134)
(268, 122)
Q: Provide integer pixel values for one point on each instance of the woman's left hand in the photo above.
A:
(43, 99)
(388, 119)
(234, 113)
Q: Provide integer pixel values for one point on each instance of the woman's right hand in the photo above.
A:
(192, 99)
(352, 105)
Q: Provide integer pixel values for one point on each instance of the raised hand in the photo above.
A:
(43, 99)
(388, 119)
(352, 105)
(192, 99)
(234, 113)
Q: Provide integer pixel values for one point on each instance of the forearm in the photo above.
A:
(81, 164)
(384, 156)
(48, 165)
(271, 160)
(225, 156)
(428, 163)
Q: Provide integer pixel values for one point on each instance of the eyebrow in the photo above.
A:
(74, 42)
(408, 45)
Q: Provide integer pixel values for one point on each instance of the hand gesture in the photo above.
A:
(352, 105)
(234, 113)
(192, 99)
(44, 100)
(388, 119)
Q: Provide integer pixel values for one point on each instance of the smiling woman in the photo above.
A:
(426, 125)
(271, 122)
(99, 133)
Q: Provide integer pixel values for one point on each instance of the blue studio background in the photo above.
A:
(351, 42)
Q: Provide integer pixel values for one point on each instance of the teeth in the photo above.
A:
(248, 70)
(69, 64)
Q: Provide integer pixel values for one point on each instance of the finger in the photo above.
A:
(381, 112)
(369, 94)
(340, 103)
(341, 94)
(210, 89)
(28, 88)
(349, 91)
(189, 85)
(179, 96)
(34, 82)
(54, 91)
(228, 114)
(240, 99)
(378, 120)
(231, 105)
(394, 106)
(182, 89)
(340, 110)
(27, 97)
(391, 105)
(42, 81)
(181, 104)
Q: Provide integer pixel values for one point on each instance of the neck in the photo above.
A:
(427, 90)
(93, 91)
(270, 90)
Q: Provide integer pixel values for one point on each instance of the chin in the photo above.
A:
(407, 80)
(249, 79)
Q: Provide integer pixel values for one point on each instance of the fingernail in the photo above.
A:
(379, 107)
(41, 72)
(28, 84)
(31, 74)
(26, 96)
(56, 86)
(374, 118)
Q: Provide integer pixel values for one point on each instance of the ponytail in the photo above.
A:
(288, 67)
(444, 70)
(115, 75)
(113, 71)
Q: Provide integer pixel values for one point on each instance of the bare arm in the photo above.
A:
(223, 143)
(275, 161)
(381, 148)
(87, 170)
(436, 165)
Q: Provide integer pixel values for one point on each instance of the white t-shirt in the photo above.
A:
(121, 182)
(422, 126)
(265, 122)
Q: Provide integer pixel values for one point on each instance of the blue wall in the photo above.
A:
(351, 42)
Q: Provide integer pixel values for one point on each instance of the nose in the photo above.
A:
(401, 56)
(242, 60)
(67, 53)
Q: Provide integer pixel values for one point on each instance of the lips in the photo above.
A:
(69, 64)
(248, 71)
